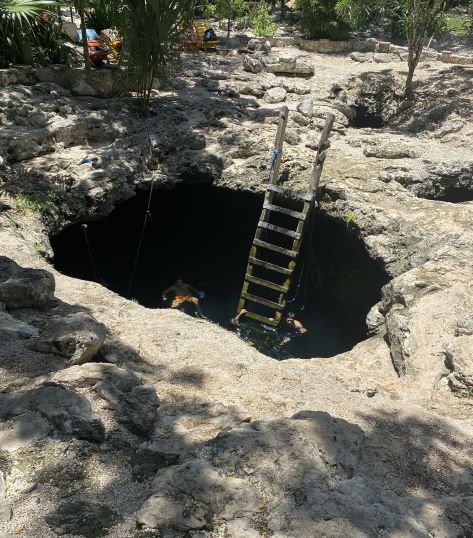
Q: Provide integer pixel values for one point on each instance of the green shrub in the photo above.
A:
(261, 21)
(319, 18)
(102, 15)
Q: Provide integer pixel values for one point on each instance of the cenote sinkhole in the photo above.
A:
(203, 234)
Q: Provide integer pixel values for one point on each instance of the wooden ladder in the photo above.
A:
(267, 283)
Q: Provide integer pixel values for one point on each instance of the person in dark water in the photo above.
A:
(233, 325)
(290, 327)
(183, 293)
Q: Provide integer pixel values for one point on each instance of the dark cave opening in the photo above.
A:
(368, 113)
(203, 234)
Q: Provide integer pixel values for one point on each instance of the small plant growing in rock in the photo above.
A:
(350, 219)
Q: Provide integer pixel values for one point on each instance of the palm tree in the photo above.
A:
(152, 31)
(16, 18)
(80, 7)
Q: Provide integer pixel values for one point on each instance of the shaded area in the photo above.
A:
(203, 234)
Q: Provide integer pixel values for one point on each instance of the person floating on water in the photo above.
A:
(233, 325)
(183, 293)
(290, 327)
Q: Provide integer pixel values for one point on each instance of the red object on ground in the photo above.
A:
(97, 51)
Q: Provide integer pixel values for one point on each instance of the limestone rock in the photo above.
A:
(289, 63)
(385, 151)
(22, 430)
(275, 95)
(194, 424)
(5, 507)
(240, 471)
(459, 358)
(362, 56)
(77, 336)
(259, 44)
(24, 288)
(188, 496)
(68, 412)
(135, 404)
(15, 329)
(82, 518)
(252, 64)
(306, 107)
(90, 373)
(450, 126)
(465, 325)
(136, 408)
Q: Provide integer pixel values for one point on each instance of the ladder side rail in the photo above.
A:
(321, 154)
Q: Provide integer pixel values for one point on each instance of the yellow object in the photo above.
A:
(113, 42)
(180, 299)
(200, 28)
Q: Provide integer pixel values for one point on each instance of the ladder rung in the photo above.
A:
(270, 266)
(275, 248)
(262, 301)
(279, 230)
(289, 193)
(266, 284)
(278, 209)
(263, 319)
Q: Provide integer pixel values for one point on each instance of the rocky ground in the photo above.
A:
(122, 421)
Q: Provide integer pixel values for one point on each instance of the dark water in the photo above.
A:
(203, 235)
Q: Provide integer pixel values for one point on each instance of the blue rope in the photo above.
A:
(276, 153)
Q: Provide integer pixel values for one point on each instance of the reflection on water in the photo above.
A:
(203, 235)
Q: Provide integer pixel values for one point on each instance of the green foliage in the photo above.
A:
(261, 21)
(458, 25)
(210, 11)
(231, 9)
(102, 14)
(29, 203)
(319, 18)
(152, 31)
(350, 219)
(30, 33)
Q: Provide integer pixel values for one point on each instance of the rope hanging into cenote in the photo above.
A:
(147, 212)
(89, 250)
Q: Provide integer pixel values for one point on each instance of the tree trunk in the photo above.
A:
(415, 50)
(25, 50)
(85, 48)
(229, 18)
(283, 9)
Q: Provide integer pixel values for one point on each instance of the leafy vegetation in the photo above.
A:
(260, 20)
(30, 33)
(419, 20)
(320, 19)
(457, 24)
(152, 31)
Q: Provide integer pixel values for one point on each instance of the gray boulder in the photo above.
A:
(5, 507)
(306, 107)
(68, 412)
(24, 288)
(136, 409)
(275, 95)
(82, 518)
(290, 64)
(187, 497)
(459, 359)
(260, 45)
(252, 64)
(258, 477)
(11, 328)
(22, 430)
(78, 337)
(385, 151)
